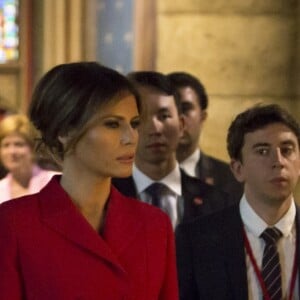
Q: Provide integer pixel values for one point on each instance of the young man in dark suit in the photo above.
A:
(250, 250)
(194, 103)
(181, 196)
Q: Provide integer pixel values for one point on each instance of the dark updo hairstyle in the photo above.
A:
(69, 95)
(255, 118)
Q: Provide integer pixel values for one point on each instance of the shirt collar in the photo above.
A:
(190, 163)
(257, 225)
(172, 180)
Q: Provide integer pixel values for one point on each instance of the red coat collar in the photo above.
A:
(122, 222)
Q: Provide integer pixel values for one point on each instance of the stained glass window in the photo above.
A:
(9, 31)
(115, 34)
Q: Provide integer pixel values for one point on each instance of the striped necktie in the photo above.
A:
(157, 191)
(271, 270)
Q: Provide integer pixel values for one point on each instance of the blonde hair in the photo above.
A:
(18, 124)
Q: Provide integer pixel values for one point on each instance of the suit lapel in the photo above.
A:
(60, 214)
(203, 167)
(224, 255)
(298, 243)
(126, 186)
(234, 253)
(194, 193)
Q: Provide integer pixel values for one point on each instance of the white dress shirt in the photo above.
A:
(172, 181)
(254, 226)
(190, 163)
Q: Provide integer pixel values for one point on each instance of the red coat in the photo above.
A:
(48, 251)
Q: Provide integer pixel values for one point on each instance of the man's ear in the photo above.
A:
(181, 124)
(237, 170)
(203, 115)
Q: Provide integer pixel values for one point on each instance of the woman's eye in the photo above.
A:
(112, 124)
(135, 123)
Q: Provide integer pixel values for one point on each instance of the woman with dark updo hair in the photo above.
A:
(79, 238)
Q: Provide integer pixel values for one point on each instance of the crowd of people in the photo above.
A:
(130, 207)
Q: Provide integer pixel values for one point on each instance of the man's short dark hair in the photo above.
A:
(157, 81)
(183, 79)
(255, 118)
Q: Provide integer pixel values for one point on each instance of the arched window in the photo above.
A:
(15, 50)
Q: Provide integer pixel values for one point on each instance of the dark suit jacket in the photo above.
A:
(211, 257)
(48, 251)
(199, 198)
(218, 173)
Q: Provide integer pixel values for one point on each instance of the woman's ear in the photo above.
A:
(64, 140)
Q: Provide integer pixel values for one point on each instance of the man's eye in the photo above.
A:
(262, 151)
(286, 151)
(186, 108)
(164, 116)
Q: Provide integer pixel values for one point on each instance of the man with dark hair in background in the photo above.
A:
(157, 178)
(194, 103)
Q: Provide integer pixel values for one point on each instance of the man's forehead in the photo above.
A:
(276, 131)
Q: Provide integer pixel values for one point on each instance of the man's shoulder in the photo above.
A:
(213, 162)
(125, 185)
(197, 185)
(224, 219)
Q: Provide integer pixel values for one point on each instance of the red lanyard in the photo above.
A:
(258, 273)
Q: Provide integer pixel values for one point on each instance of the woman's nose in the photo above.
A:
(129, 136)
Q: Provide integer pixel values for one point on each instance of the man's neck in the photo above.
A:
(156, 171)
(270, 211)
(184, 152)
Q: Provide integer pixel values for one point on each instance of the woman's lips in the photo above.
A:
(155, 145)
(128, 158)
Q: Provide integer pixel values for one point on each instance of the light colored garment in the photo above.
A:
(189, 165)
(38, 180)
(254, 226)
(173, 183)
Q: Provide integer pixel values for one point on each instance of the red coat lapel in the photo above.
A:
(122, 224)
(60, 214)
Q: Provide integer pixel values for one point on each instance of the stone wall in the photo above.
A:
(244, 52)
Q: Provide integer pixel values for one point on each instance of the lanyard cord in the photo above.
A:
(258, 273)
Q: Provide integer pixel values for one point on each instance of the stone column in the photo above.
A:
(297, 64)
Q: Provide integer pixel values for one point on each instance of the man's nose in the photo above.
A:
(154, 126)
(277, 158)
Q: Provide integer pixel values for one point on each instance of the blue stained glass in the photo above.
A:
(115, 34)
(9, 30)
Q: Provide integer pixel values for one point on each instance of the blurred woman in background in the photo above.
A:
(17, 140)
